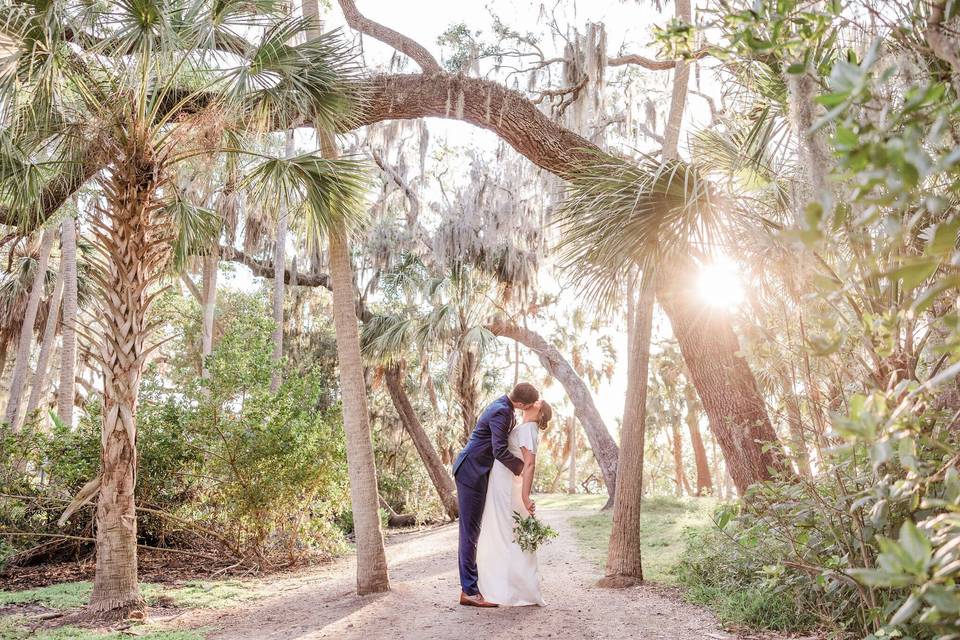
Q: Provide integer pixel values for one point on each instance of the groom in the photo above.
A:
(487, 442)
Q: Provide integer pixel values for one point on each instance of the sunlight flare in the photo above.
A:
(720, 284)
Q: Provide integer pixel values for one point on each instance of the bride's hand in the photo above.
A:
(530, 505)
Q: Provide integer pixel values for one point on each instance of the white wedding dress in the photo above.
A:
(508, 575)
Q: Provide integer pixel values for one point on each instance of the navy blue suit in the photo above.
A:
(487, 443)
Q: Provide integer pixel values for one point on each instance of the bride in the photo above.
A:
(508, 575)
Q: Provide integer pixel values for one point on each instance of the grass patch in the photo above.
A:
(12, 628)
(570, 502)
(662, 523)
(67, 595)
(196, 594)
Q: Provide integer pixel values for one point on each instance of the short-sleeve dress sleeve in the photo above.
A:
(527, 437)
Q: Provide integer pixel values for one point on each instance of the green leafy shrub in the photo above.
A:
(224, 463)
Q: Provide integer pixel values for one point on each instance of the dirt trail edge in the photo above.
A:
(423, 602)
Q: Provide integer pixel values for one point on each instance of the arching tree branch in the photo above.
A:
(407, 46)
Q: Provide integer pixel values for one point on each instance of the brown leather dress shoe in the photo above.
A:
(476, 601)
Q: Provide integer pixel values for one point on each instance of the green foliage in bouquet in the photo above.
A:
(530, 533)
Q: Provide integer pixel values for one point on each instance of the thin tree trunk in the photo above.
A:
(21, 365)
(678, 99)
(211, 265)
(372, 575)
(602, 444)
(704, 481)
(679, 477)
(279, 273)
(723, 379)
(442, 481)
(46, 345)
(466, 390)
(66, 394)
(798, 443)
(572, 469)
(624, 567)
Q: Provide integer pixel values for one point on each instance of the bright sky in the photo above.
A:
(628, 26)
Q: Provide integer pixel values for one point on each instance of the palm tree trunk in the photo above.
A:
(68, 350)
(46, 345)
(723, 379)
(211, 265)
(127, 235)
(704, 481)
(678, 97)
(679, 477)
(572, 469)
(21, 365)
(279, 273)
(602, 444)
(624, 567)
(372, 573)
(442, 481)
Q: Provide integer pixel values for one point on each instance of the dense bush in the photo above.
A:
(223, 462)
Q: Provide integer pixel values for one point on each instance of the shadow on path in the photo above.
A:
(422, 603)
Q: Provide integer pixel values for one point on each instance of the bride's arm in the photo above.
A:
(529, 465)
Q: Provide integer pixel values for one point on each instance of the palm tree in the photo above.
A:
(21, 365)
(655, 215)
(68, 350)
(110, 75)
(372, 575)
(46, 343)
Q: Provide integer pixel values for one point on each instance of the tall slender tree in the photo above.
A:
(68, 349)
(704, 480)
(21, 366)
(46, 344)
(624, 567)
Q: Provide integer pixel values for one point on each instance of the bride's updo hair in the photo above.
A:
(546, 414)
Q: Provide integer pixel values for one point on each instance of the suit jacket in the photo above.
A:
(487, 443)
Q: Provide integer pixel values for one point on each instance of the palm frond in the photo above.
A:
(280, 81)
(618, 214)
(195, 228)
(329, 193)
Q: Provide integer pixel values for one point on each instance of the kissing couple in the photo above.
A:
(494, 475)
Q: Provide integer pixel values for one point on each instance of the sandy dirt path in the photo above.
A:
(423, 602)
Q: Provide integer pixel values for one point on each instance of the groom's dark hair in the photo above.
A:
(524, 393)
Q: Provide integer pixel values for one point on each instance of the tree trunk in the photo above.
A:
(704, 481)
(442, 481)
(678, 99)
(679, 477)
(604, 448)
(798, 443)
(211, 267)
(466, 392)
(127, 235)
(372, 576)
(46, 345)
(723, 379)
(68, 351)
(624, 568)
(279, 273)
(572, 469)
(21, 365)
